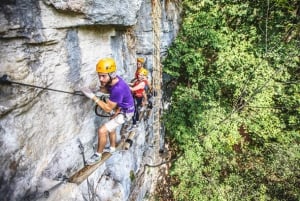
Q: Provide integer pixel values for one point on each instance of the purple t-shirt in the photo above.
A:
(121, 94)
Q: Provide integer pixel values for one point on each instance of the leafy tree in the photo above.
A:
(235, 106)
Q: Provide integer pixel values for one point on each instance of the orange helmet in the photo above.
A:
(106, 65)
(143, 71)
(140, 59)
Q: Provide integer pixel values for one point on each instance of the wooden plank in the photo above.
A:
(129, 140)
(87, 170)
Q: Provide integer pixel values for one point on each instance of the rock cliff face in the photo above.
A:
(56, 44)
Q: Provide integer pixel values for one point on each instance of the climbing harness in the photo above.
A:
(98, 110)
(4, 81)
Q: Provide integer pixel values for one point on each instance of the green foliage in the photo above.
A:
(131, 175)
(236, 66)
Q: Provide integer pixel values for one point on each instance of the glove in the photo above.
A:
(87, 92)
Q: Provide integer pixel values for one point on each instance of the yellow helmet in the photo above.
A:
(140, 59)
(143, 71)
(106, 65)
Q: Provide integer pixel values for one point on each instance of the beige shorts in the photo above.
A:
(118, 121)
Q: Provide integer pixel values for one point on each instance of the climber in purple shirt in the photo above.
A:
(120, 100)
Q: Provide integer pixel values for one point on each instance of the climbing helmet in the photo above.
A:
(140, 59)
(106, 65)
(143, 71)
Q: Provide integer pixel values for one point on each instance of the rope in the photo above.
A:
(157, 72)
(4, 81)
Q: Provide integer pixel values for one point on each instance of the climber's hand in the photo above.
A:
(87, 92)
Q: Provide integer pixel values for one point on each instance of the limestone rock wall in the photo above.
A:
(56, 44)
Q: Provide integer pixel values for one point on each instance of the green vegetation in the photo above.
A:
(131, 175)
(235, 104)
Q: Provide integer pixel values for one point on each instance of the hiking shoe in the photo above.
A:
(95, 158)
(110, 149)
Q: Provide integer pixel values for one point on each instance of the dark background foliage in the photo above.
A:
(235, 100)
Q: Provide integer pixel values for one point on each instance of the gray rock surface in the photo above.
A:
(105, 12)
